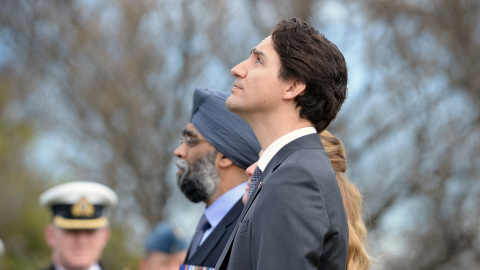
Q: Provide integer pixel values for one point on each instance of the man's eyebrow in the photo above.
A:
(189, 133)
(257, 52)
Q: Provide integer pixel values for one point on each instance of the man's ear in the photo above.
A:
(105, 236)
(296, 88)
(50, 235)
(223, 161)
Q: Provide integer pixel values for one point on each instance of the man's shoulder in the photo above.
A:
(305, 163)
(308, 143)
(312, 156)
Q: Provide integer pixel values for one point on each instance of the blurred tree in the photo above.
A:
(21, 218)
(414, 143)
(113, 80)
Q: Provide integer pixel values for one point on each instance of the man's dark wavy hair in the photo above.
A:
(308, 56)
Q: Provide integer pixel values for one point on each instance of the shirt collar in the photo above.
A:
(92, 267)
(221, 206)
(273, 148)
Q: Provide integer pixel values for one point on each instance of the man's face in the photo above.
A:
(197, 174)
(76, 249)
(157, 260)
(258, 88)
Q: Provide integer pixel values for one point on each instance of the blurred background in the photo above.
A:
(100, 90)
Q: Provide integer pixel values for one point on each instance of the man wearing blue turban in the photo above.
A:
(215, 149)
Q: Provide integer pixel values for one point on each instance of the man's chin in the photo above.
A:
(180, 176)
(194, 196)
(231, 103)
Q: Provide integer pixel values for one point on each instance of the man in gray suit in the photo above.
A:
(216, 148)
(289, 89)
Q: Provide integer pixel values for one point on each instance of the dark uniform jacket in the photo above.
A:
(208, 253)
(51, 267)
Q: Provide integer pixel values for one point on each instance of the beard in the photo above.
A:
(200, 179)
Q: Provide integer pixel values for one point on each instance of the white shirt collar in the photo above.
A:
(273, 148)
(93, 267)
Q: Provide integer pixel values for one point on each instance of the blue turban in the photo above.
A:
(165, 238)
(226, 131)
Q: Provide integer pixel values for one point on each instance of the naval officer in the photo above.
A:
(79, 230)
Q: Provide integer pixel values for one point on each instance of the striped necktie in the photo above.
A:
(202, 226)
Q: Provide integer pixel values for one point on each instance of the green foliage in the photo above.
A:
(23, 239)
(21, 218)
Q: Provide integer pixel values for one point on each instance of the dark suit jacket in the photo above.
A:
(295, 218)
(51, 267)
(208, 253)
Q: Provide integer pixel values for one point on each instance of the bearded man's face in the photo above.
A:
(200, 178)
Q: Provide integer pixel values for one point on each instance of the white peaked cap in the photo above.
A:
(72, 192)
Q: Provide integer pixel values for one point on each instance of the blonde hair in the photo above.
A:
(358, 258)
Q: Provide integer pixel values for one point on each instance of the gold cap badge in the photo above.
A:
(82, 208)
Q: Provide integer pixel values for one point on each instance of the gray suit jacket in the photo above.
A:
(295, 219)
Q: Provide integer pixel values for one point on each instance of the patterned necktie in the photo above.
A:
(202, 226)
(254, 181)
